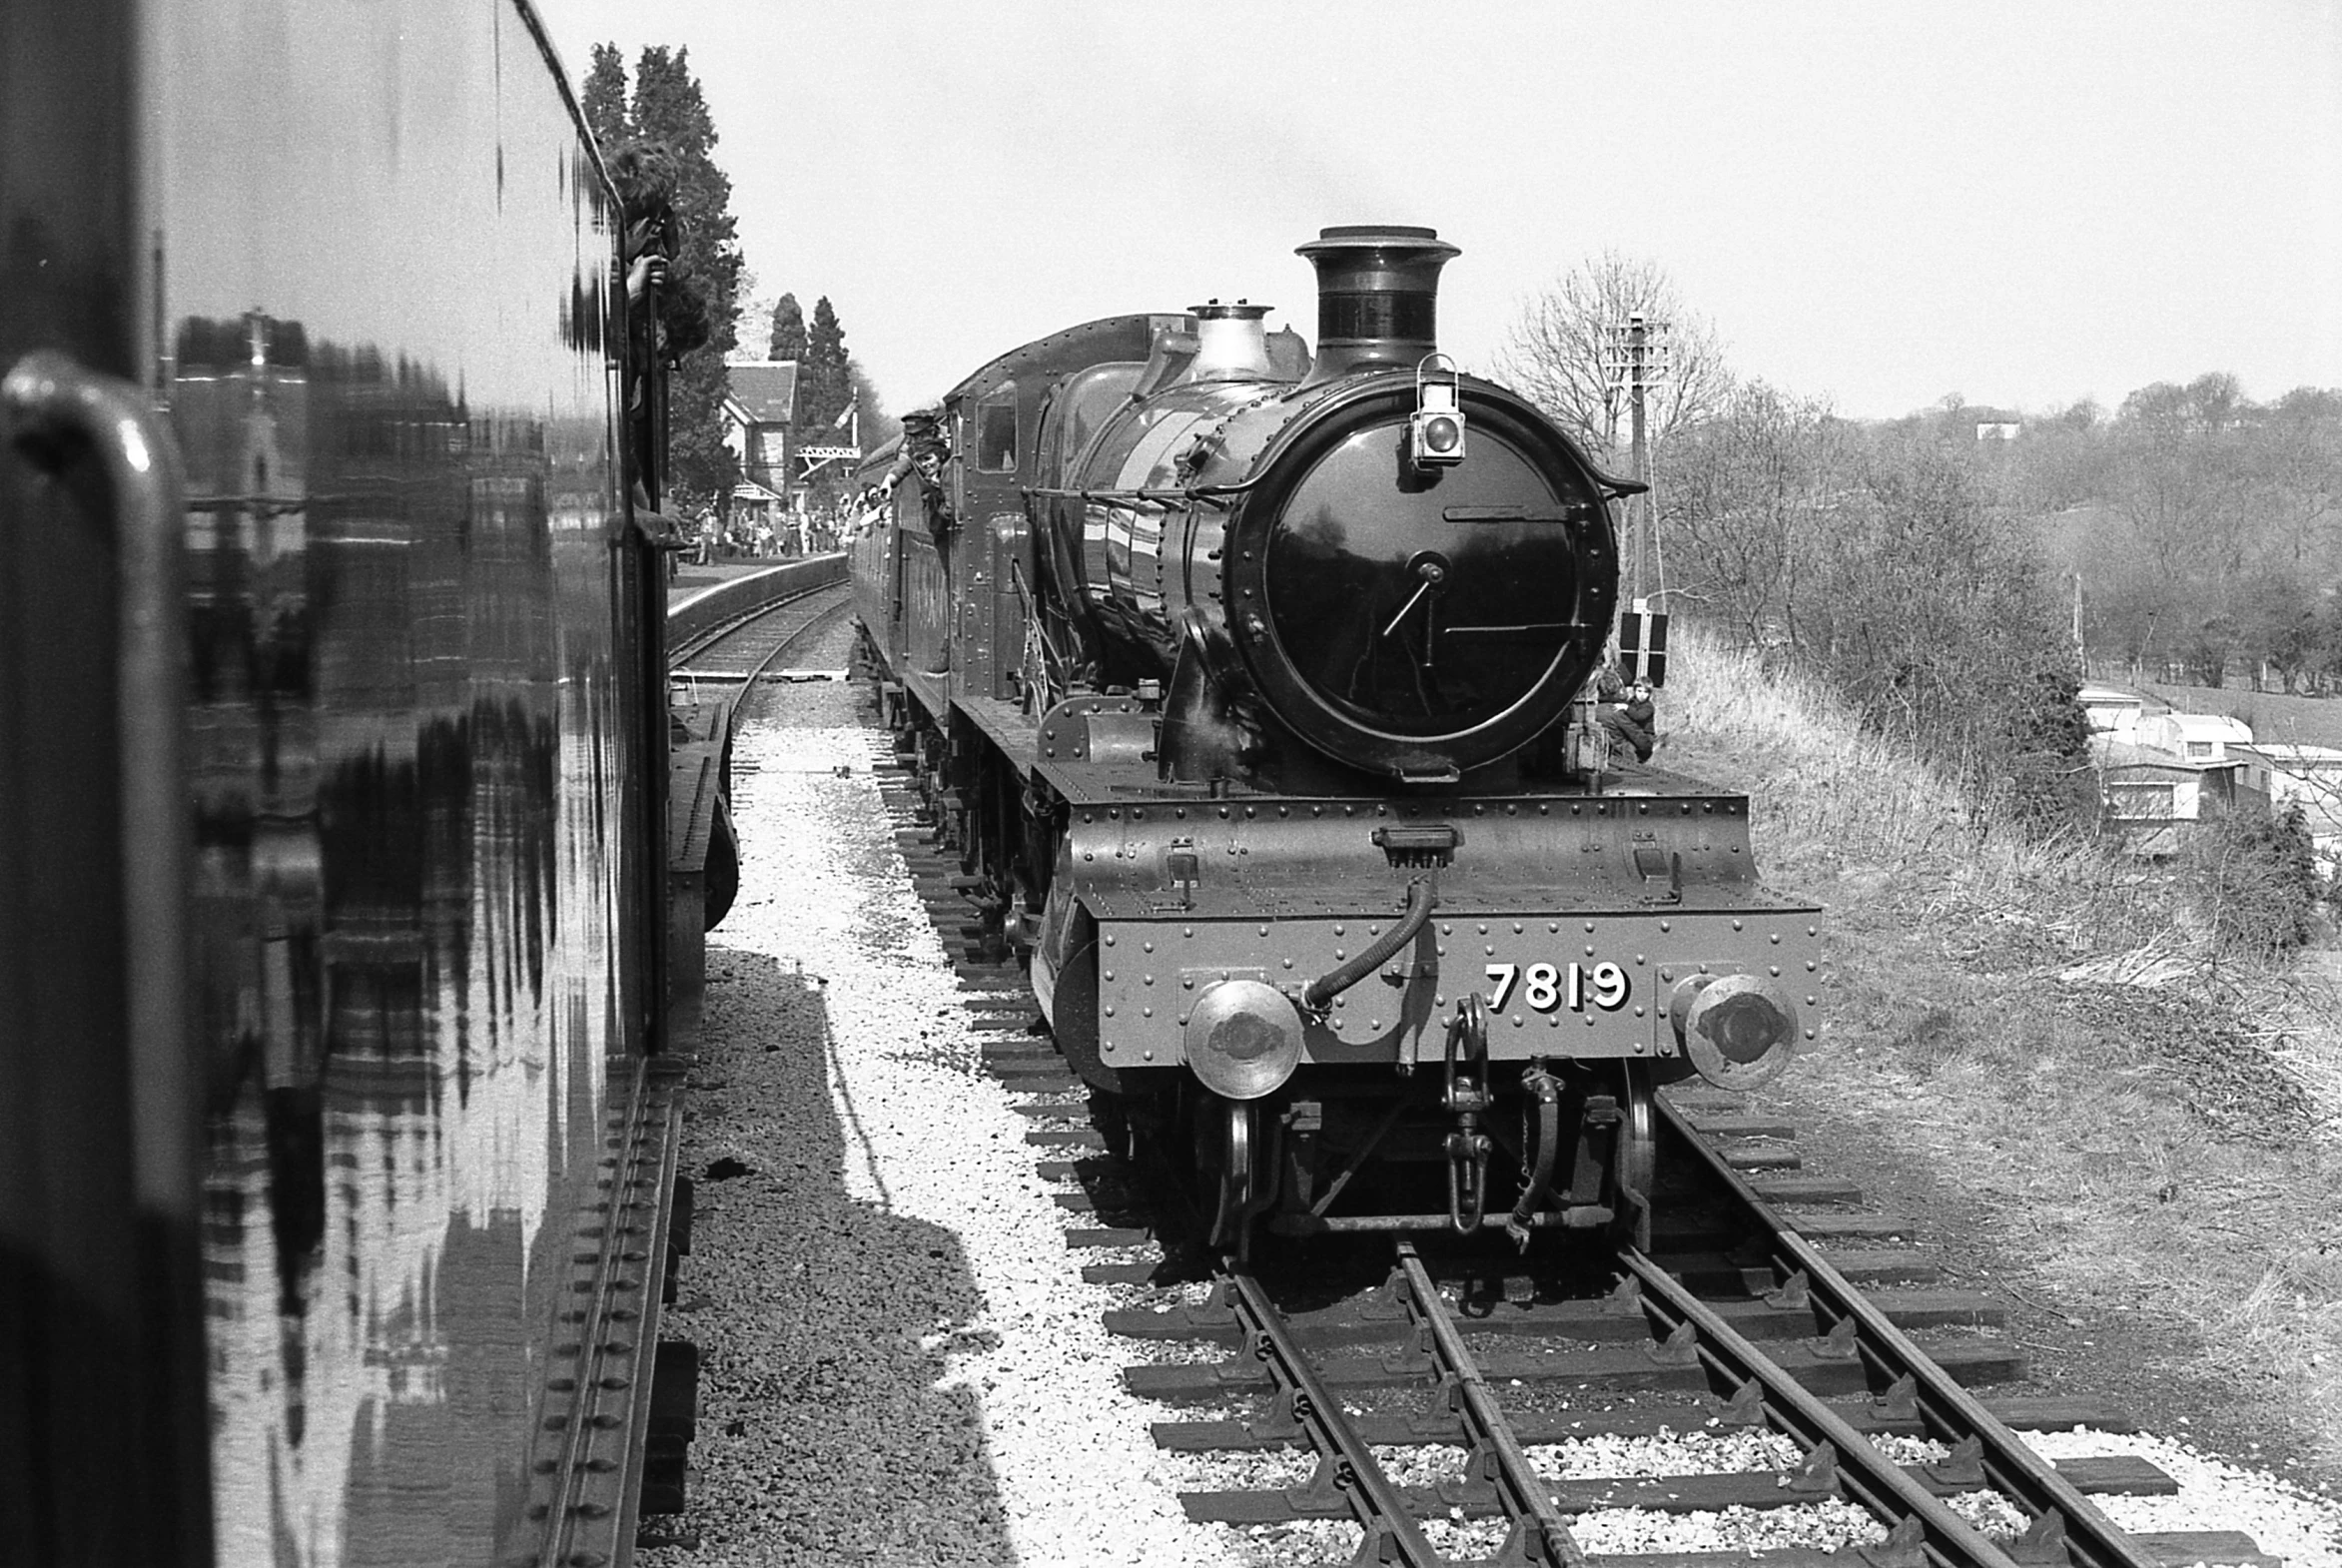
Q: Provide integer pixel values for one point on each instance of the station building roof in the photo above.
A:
(767, 392)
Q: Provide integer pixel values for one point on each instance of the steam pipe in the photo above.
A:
(1319, 992)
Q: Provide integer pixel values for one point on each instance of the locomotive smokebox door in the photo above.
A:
(1642, 643)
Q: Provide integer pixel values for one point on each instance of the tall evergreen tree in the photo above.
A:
(604, 99)
(824, 376)
(669, 108)
(788, 342)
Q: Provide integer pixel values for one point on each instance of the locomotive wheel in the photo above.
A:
(1239, 1171)
(1636, 1163)
(1109, 1114)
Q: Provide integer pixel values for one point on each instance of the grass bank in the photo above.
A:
(2139, 1135)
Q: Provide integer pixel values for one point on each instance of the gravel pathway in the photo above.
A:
(901, 1361)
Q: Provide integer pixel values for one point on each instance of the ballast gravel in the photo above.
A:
(902, 1364)
(1828, 1526)
(2283, 1519)
(1670, 1453)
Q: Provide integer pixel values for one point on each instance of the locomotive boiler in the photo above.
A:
(1256, 687)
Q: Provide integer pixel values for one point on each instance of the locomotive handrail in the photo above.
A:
(1318, 995)
(1185, 493)
(98, 436)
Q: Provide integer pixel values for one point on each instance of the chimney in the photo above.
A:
(1378, 296)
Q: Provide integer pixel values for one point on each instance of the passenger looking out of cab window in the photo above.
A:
(666, 317)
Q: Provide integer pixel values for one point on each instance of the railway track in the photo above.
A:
(740, 651)
(1781, 1360)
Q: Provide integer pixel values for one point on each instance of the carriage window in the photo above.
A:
(996, 432)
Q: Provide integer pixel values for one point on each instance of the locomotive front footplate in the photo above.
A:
(1587, 925)
(1594, 984)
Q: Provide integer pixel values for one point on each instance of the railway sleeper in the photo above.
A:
(1597, 1321)
(1713, 1274)
(1114, 1213)
(1811, 1482)
(1802, 1188)
(1817, 1364)
(1040, 1079)
(1537, 1429)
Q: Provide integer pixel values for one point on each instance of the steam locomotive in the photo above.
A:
(338, 1120)
(1256, 689)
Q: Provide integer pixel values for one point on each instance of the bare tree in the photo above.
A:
(2299, 462)
(1555, 349)
(1755, 488)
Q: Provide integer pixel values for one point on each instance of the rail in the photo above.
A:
(1307, 1367)
(1538, 1538)
(717, 636)
(1838, 1458)
(1347, 1471)
(1986, 1451)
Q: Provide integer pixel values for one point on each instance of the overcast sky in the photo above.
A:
(2023, 203)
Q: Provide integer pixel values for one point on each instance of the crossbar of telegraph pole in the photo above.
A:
(1635, 357)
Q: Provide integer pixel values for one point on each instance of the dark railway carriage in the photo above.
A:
(1258, 692)
(334, 1143)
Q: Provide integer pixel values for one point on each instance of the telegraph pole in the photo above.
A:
(1638, 378)
(1636, 356)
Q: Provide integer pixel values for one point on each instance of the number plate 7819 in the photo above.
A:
(1545, 986)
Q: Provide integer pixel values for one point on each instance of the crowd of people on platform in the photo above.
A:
(756, 538)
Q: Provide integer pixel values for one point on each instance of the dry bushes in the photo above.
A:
(1886, 564)
(2142, 1117)
(2256, 881)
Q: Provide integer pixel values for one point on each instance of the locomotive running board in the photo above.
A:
(693, 799)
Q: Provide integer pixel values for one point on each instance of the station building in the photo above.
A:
(759, 410)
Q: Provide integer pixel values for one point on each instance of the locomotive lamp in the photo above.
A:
(1435, 436)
